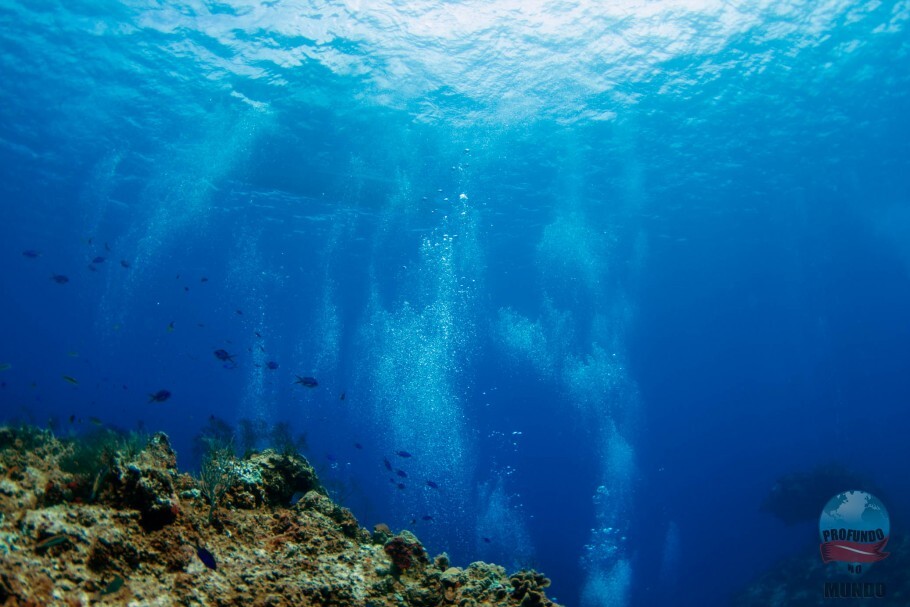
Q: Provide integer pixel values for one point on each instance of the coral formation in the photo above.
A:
(801, 580)
(146, 538)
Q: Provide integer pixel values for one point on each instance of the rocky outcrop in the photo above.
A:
(147, 539)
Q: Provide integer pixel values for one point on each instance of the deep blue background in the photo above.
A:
(747, 238)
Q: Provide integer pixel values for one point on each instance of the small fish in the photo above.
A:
(207, 558)
(96, 421)
(71, 380)
(239, 312)
(401, 473)
(73, 419)
(5, 366)
(387, 464)
(107, 247)
(124, 263)
(203, 279)
(160, 396)
(114, 585)
(258, 334)
(92, 268)
(309, 382)
(271, 365)
(170, 327)
(427, 517)
(186, 289)
(50, 542)
(400, 485)
(72, 354)
(98, 259)
(60, 279)
(31, 253)
(432, 485)
(358, 446)
(402, 454)
(342, 396)
(223, 356)
(486, 540)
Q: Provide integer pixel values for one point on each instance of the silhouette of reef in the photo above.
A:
(128, 528)
(799, 581)
(800, 496)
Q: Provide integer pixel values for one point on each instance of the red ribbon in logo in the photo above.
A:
(853, 552)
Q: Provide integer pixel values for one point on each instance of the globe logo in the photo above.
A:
(854, 528)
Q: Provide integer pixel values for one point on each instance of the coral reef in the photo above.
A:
(800, 581)
(142, 535)
(798, 496)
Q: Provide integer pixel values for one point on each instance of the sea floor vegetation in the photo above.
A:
(112, 521)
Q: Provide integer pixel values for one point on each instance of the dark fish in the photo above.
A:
(271, 365)
(71, 380)
(107, 247)
(239, 312)
(358, 446)
(98, 259)
(72, 419)
(203, 279)
(50, 542)
(96, 421)
(5, 366)
(31, 253)
(309, 382)
(60, 279)
(400, 485)
(92, 268)
(342, 396)
(486, 540)
(113, 586)
(124, 263)
(401, 473)
(387, 464)
(207, 558)
(402, 454)
(427, 517)
(170, 327)
(258, 334)
(223, 356)
(186, 289)
(160, 396)
(432, 485)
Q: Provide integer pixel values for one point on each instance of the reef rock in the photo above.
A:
(139, 544)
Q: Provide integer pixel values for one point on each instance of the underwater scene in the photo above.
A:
(417, 303)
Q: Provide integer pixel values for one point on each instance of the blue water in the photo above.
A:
(606, 272)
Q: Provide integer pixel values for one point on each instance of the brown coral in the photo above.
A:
(313, 553)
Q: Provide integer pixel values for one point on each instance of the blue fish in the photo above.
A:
(160, 396)
(402, 454)
(309, 382)
(271, 365)
(207, 558)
